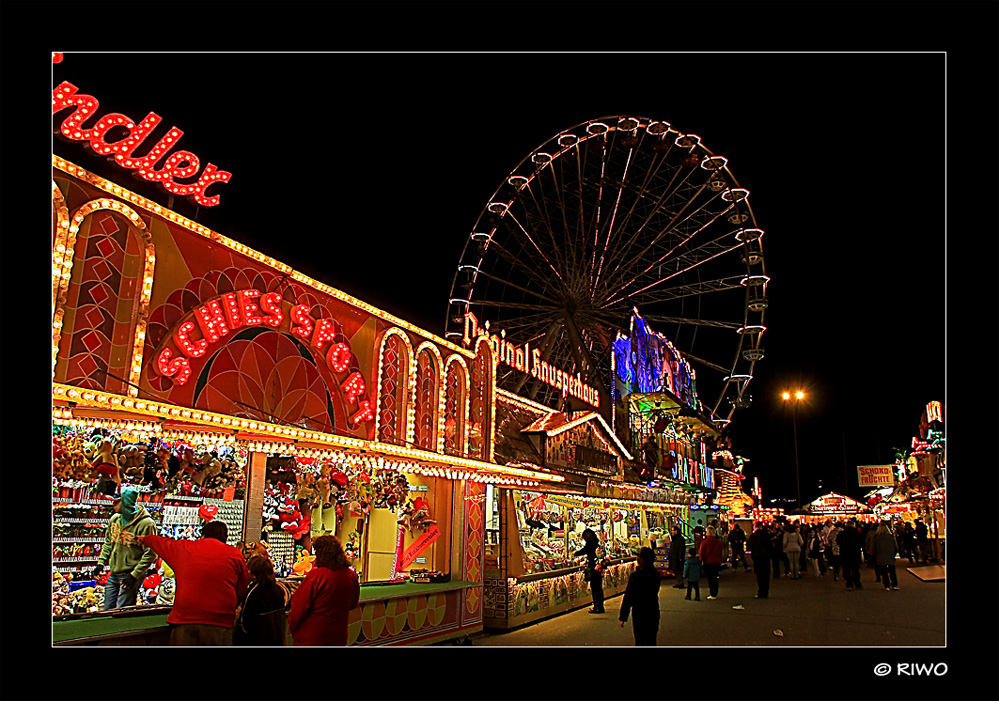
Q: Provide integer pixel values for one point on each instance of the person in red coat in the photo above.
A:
(711, 557)
(322, 603)
(211, 580)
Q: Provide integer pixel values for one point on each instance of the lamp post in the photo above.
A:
(798, 396)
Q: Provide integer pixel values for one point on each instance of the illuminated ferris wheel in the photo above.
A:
(613, 214)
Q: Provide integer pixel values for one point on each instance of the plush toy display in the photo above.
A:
(416, 515)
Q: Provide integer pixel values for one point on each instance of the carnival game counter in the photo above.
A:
(539, 595)
(406, 613)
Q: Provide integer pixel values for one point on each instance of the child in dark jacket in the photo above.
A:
(692, 573)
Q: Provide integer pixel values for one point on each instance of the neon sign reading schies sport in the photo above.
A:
(180, 165)
(227, 313)
(526, 359)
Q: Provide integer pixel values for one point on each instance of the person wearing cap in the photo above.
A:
(127, 559)
(641, 599)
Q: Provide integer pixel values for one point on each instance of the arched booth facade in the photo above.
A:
(221, 383)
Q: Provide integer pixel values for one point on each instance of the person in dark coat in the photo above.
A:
(885, 551)
(594, 572)
(677, 554)
(263, 617)
(761, 551)
(851, 554)
(737, 541)
(641, 599)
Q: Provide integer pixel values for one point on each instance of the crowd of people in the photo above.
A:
(792, 550)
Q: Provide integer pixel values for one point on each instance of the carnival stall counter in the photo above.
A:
(389, 613)
(527, 598)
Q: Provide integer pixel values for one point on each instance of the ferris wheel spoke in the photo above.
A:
(682, 264)
(521, 264)
(540, 214)
(706, 363)
(697, 288)
(521, 267)
(677, 231)
(694, 322)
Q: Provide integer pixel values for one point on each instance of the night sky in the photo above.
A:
(368, 172)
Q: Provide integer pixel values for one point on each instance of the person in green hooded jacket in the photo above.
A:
(127, 558)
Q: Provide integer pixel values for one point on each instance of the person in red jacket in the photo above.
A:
(711, 556)
(211, 580)
(322, 603)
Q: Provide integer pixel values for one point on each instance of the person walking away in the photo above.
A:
(869, 533)
(641, 599)
(922, 542)
(677, 548)
(851, 553)
(263, 616)
(761, 550)
(832, 548)
(711, 559)
(909, 537)
(127, 558)
(211, 580)
(779, 556)
(792, 547)
(321, 606)
(885, 550)
(815, 548)
(692, 574)
(737, 543)
(593, 572)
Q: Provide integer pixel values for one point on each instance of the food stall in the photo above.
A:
(244, 386)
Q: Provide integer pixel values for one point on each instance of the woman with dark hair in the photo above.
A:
(262, 617)
(593, 572)
(322, 603)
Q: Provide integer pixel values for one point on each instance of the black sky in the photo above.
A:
(368, 171)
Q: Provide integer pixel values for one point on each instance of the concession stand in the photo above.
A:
(223, 384)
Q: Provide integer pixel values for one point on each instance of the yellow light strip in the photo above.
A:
(506, 394)
(150, 206)
(162, 410)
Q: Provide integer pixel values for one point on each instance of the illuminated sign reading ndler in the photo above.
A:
(526, 359)
(180, 165)
(221, 316)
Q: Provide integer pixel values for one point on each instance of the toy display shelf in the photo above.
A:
(81, 520)
(83, 558)
(90, 502)
(71, 539)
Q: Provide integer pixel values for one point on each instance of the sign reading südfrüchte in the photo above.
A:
(527, 359)
(180, 165)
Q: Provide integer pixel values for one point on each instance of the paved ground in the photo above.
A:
(812, 611)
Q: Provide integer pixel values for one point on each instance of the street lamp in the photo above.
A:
(798, 396)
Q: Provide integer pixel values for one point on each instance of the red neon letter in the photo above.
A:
(365, 412)
(338, 357)
(325, 331)
(211, 320)
(353, 386)
(124, 149)
(178, 368)
(271, 304)
(249, 308)
(210, 176)
(302, 326)
(192, 349)
(231, 309)
(86, 107)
